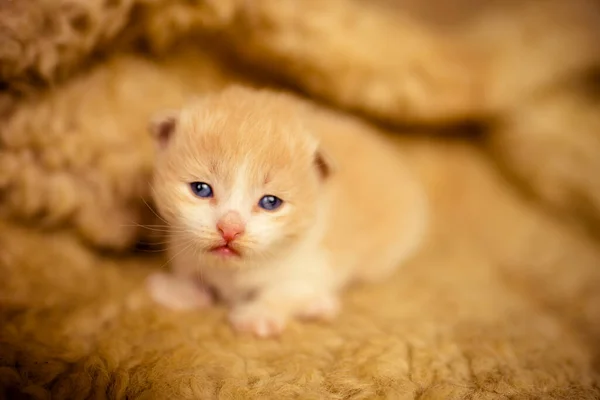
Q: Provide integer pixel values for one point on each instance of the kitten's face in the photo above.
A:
(237, 182)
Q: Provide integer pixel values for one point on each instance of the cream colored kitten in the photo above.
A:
(277, 205)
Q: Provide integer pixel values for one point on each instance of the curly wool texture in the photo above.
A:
(43, 40)
(501, 302)
(69, 147)
(378, 60)
(87, 148)
(396, 68)
(480, 313)
(550, 145)
(397, 61)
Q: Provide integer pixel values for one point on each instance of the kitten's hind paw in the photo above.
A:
(177, 293)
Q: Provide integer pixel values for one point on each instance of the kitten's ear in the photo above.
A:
(162, 127)
(325, 165)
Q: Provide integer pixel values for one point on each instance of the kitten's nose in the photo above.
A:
(230, 232)
(230, 226)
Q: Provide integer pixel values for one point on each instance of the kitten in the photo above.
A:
(277, 205)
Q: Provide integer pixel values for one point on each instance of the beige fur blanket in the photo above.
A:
(502, 302)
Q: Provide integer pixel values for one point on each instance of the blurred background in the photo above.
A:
(495, 104)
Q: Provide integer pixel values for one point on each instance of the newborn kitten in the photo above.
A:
(277, 205)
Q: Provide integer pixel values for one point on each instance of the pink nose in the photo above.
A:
(230, 226)
(230, 232)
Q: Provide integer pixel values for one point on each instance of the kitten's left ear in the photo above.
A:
(325, 165)
(162, 127)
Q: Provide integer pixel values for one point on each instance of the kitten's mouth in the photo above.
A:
(225, 250)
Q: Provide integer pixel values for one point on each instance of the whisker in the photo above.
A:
(158, 226)
(148, 205)
(133, 223)
(169, 227)
(154, 243)
(172, 244)
(189, 244)
(158, 229)
(170, 236)
(199, 269)
(152, 251)
(180, 243)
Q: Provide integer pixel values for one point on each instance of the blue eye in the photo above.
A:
(201, 189)
(270, 203)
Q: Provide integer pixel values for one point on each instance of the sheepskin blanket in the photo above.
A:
(494, 104)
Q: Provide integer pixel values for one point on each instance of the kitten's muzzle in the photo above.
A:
(230, 226)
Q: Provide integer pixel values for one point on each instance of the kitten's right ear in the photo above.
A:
(162, 127)
(325, 164)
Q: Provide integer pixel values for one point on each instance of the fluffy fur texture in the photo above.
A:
(550, 145)
(350, 211)
(95, 183)
(399, 61)
(503, 300)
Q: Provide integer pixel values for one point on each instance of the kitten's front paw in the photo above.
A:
(323, 308)
(177, 293)
(257, 319)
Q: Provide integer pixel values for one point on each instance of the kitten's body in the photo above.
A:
(351, 211)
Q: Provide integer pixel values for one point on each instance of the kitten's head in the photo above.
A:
(237, 175)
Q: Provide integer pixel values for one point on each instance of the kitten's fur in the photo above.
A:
(351, 211)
